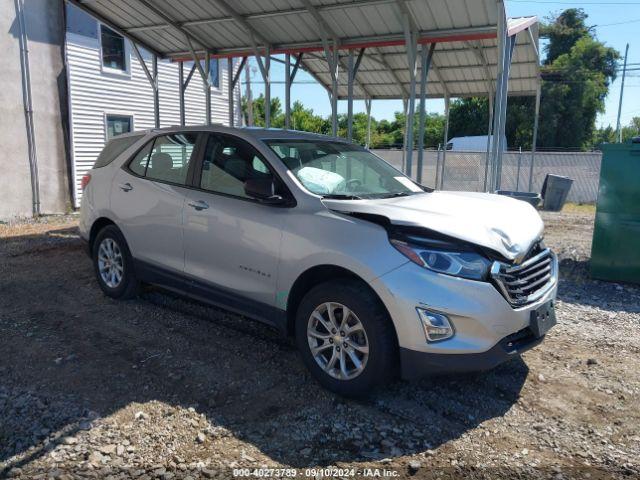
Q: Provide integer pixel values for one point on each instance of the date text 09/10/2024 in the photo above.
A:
(315, 473)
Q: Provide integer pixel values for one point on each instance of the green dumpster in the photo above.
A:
(615, 253)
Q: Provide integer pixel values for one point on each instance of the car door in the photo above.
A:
(147, 198)
(232, 242)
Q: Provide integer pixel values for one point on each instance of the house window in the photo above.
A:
(118, 124)
(113, 50)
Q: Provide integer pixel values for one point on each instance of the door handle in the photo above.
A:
(125, 187)
(199, 205)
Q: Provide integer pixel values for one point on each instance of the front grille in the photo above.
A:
(525, 283)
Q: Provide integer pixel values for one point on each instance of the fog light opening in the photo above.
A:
(437, 326)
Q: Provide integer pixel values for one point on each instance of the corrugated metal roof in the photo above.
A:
(464, 61)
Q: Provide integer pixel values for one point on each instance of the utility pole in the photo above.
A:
(624, 74)
(247, 71)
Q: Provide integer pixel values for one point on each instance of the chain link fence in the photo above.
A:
(465, 171)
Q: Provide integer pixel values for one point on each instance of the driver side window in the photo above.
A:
(228, 163)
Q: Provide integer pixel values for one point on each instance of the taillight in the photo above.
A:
(85, 181)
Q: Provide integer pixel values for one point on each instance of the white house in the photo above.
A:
(109, 93)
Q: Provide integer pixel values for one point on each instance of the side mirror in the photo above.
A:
(263, 190)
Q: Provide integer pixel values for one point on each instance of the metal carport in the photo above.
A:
(356, 49)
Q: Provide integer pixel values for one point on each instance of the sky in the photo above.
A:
(617, 23)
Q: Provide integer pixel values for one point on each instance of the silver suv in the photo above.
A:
(373, 275)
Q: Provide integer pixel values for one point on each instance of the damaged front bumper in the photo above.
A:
(488, 329)
(422, 364)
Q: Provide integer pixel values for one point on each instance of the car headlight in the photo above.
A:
(466, 264)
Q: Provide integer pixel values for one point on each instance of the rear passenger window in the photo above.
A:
(139, 163)
(166, 158)
(170, 157)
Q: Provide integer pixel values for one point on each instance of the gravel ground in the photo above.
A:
(161, 387)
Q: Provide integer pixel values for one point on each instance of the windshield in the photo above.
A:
(342, 170)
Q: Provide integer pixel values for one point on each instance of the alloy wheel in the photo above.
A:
(110, 262)
(338, 341)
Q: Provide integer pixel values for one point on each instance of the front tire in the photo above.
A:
(346, 337)
(113, 264)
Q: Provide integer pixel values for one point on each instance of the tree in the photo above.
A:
(603, 135)
(577, 72)
(359, 127)
(391, 134)
(384, 134)
(434, 130)
(576, 85)
(470, 116)
(563, 32)
(305, 120)
(277, 117)
(631, 130)
(608, 133)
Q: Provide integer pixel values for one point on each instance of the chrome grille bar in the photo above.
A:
(528, 278)
(525, 283)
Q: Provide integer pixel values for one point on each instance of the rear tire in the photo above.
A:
(349, 355)
(113, 264)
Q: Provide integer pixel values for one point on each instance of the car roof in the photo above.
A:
(254, 133)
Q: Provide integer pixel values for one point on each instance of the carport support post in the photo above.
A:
(231, 88)
(425, 63)
(247, 73)
(446, 138)
(489, 137)
(267, 88)
(205, 75)
(156, 93)
(506, 45)
(367, 105)
(437, 182)
(510, 45)
(233, 82)
(153, 80)
(351, 78)
(332, 62)
(183, 88)
(207, 87)
(181, 92)
(497, 118)
(287, 91)
(534, 141)
(411, 40)
(265, 67)
(289, 77)
(334, 99)
(404, 137)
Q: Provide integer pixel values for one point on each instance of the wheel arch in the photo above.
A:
(315, 276)
(98, 225)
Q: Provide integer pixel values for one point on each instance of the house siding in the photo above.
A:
(94, 93)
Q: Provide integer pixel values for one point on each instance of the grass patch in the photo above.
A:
(571, 207)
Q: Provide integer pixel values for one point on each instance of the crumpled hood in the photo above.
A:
(505, 225)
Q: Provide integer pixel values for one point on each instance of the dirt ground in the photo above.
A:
(161, 387)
